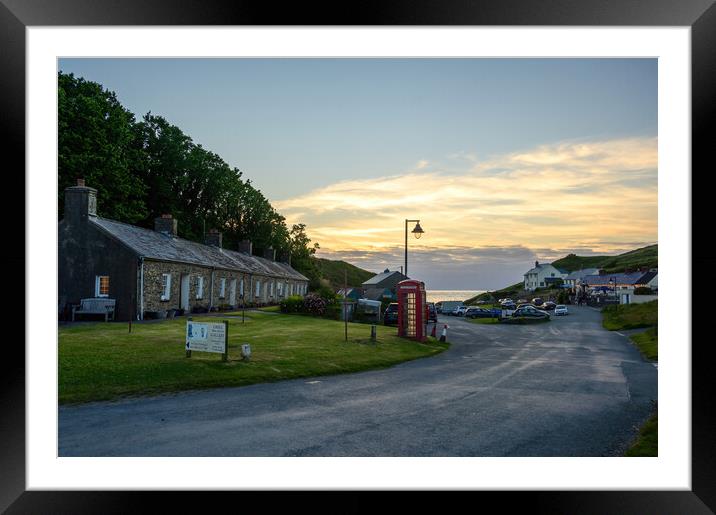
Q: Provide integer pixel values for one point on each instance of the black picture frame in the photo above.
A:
(16, 15)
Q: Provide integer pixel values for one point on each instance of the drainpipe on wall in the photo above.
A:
(211, 294)
(140, 315)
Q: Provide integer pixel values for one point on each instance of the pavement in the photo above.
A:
(563, 388)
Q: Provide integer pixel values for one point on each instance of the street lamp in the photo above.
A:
(417, 232)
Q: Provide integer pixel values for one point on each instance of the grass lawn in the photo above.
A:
(102, 361)
(647, 443)
(630, 316)
(648, 343)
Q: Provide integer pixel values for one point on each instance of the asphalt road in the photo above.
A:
(564, 388)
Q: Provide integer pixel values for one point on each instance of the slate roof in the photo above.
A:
(579, 274)
(648, 276)
(380, 277)
(541, 265)
(154, 245)
(632, 278)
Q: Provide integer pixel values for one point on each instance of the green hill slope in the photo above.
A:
(643, 257)
(333, 272)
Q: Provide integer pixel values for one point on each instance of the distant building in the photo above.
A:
(155, 271)
(543, 275)
(575, 278)
(382, 286)
(350, 293)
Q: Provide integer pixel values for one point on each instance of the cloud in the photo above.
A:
(598, 196)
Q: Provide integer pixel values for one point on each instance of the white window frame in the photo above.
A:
(222, 288)
(258, 288)
(272, 287)
(241, 288)
(166, 287)
(97, 281)
(199, 287)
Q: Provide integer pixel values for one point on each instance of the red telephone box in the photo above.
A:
(412, 309)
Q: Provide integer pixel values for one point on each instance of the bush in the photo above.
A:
(333, 311)
(326, 294)
(313, 304)
(292, 304)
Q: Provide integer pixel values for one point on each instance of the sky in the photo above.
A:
(503, 161)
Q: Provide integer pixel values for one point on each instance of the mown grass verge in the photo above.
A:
(102, 361)
(630, 316)
(647, 343)
(484, 320)
(647, 443)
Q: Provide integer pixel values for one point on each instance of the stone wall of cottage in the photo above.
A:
(153, 286)
(269, 291)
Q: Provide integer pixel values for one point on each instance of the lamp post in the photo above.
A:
(418, 232)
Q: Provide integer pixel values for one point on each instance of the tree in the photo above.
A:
(97, 142)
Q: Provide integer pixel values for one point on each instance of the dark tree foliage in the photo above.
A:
(148, 168)
(97, 142)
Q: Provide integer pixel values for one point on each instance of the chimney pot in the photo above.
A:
(80, 182)
(80, 202)
(270, 253)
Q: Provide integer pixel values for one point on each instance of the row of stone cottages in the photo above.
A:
(149, 272)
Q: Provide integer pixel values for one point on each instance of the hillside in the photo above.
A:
(333, 272)
(643, 257)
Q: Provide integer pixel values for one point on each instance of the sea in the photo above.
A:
(440, 295)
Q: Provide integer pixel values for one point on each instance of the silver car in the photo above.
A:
(561, 309)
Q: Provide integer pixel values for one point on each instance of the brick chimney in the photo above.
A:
(285, 257)
(246, 247)
(166, 224)
(536, 264)
(80, 202)
(270, 253)
(213, 237)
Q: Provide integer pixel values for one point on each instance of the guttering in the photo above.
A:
(140, 315)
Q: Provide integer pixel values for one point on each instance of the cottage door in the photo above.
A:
(184, 293)
(232, 293)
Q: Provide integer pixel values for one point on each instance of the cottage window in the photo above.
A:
(222, 288)
(101, 286)
(258, 288)
(272, 283)
(200, 287)
(241, 288)
(166, 286)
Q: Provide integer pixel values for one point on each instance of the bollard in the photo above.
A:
(373, 334)
(443, 337)
(246, 352)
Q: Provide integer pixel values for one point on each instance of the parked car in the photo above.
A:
(460, 311)
(549, 305)
(561, 309)
(530, 312)
(391, 314)
(432, 313)
(448, 306)
(508, 305)
(537, 301)
(473, 312)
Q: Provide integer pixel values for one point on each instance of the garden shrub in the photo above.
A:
(292, 304)
(313, 304)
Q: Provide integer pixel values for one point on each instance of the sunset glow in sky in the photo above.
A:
(504, 161)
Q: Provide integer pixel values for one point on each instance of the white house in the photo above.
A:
(542, 275)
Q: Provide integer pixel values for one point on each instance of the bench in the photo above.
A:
(95, 307)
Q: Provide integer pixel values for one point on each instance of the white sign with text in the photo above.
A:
(206, 337)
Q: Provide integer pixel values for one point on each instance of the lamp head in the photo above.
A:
(418, 231)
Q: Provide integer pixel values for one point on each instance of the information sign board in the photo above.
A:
(206, 337)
